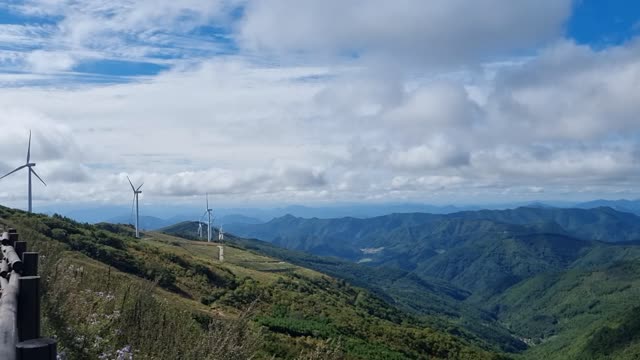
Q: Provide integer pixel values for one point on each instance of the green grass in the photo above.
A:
(169, 298)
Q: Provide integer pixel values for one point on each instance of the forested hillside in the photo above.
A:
(558, 278)
(162, 297)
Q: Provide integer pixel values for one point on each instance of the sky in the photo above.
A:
(320, 101)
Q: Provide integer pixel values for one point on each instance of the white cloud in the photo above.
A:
(415, 31)
(571, 92)
(439, 153)
(49, 61)
(561, 120)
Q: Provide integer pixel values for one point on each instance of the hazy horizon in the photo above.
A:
(171, 213)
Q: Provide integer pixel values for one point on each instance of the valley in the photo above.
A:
(552, 277)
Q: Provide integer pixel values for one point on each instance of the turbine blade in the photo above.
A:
(130, 183)
(19, 168)
(39, 178)
(29, 148)
(207, 201)
(139, 187)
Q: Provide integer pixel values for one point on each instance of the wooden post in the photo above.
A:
(29, 308)
(36, 349)
(13, 236)
(20, 247)
(30, 263)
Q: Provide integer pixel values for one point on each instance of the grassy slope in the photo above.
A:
(98, 298)
(437, 302)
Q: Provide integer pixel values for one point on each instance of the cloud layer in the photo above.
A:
(441, 101)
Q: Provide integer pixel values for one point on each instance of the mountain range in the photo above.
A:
(554, 277)
(156, 217)
(532, 282)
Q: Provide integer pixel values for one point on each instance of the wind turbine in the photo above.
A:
(208, 213)
(136, 192)
(200, 223)
(30, 166)
(220, 233)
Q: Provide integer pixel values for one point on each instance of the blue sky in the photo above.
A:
(283, 102)
(599, 24)
(604, 23)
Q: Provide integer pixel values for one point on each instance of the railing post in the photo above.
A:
(37, 349)
(13, 236)
(30, 264)
(20, 247)
(29, 308)
(20, 303)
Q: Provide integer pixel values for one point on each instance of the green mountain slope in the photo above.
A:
(565, 314)
(100, 298)
(490, 266)
(603, 223)
(347, 237)
(562, 279)
(438, 302)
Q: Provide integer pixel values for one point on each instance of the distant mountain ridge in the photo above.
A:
(92, 213)
(146, 222)
(631, 206)
(346, 237)
(156, 223)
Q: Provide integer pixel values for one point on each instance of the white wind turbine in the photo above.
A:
(30, 166)
(200, 229)
(208, 213)
(220, 233)
(136, 192)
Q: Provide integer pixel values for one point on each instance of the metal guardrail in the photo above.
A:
(20, 303)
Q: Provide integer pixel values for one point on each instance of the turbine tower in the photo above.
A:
(220, 233)
(200, 229)
(30, 166)
(136, 192)
(208, 213)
